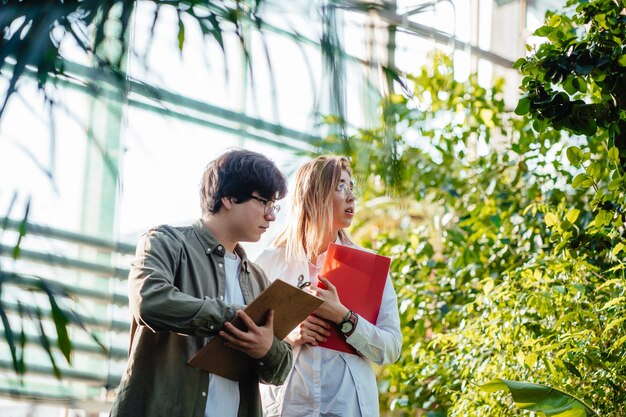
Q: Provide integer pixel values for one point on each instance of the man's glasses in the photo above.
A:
(344, 189)
(270, 206)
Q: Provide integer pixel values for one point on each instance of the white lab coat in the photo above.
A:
(325, 382)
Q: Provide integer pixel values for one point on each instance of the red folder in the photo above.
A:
(359, 277)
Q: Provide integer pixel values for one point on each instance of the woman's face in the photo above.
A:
(343, 202)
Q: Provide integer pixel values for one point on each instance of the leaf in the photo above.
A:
(595, 171)
(496, 220)
(333, 120)
(530, 360)
(582, 181)
(572, 215)
(523, 106)
(569, 86)
(181, 34)
(614, 184)
(488, 286)
(617, 249)
(616, 282)
(216, 30)
(604, 218)
(574, 155)
(22, 232)
(613, 302)
(614, 155)
(519, 62)
(551, 219)
(555, 20)
(543, 31)
(613, 324)
(622, 61)
(541, 398)
(9, 337)
(60, 322)
(572, 368)
(45, 343)
(618, 343)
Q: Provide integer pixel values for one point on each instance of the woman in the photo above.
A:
(326, 382)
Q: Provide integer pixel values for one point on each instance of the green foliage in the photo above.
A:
(520, 273)
(540, 398)
(61, 315)
(576, 79)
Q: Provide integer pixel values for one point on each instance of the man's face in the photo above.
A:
(251, 219)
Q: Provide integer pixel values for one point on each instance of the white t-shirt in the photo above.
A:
(221, 388)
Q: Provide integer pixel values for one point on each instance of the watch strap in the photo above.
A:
(350, 318)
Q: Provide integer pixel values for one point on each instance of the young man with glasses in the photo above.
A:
(187, 283)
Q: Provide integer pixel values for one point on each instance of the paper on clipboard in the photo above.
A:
(360, 278)
(291, 306)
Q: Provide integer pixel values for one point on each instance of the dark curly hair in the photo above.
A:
(237, 174)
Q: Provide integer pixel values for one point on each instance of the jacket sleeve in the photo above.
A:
(274, 367)
(380, 342)
(157, 303)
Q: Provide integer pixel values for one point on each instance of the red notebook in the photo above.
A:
(360, 278)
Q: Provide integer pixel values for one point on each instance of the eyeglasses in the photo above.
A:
(344, 189)
(270, 206)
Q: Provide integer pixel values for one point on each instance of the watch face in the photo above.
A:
(347, 327)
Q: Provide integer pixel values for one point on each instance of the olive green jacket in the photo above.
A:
(176, 290)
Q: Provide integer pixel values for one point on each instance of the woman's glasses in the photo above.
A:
(343, 189)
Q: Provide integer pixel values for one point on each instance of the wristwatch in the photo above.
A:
(348, 324)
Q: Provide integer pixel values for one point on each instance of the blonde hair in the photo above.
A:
(312, 208)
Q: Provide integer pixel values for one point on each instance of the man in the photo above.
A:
(187, 283)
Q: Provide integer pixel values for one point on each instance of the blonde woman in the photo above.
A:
(326, 382)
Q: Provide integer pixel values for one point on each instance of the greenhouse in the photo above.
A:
(486, 143)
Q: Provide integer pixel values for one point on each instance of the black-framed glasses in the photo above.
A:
(270, 206)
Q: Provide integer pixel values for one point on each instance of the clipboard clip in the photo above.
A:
(301, 284)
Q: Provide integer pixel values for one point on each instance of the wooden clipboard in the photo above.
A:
(291, 306)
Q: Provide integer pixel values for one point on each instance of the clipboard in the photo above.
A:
(291, 306)
(360, 278)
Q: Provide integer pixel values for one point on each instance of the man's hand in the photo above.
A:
(312, 330)
(331, 309)
(256, 341)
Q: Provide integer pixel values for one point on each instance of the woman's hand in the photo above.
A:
(312, 330)
(331, 309)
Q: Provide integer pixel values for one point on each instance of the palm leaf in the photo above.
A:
(22, 232)
(27, 27)
(542, 399)
(45, 343)
(8, 332)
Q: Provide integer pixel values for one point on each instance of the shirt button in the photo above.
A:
(261, 363)
(220, 265)
(211, 327)
(220, 247)
(222, 297)
(208, 250)
(204, 394)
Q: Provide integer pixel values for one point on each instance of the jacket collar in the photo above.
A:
(213, 246)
